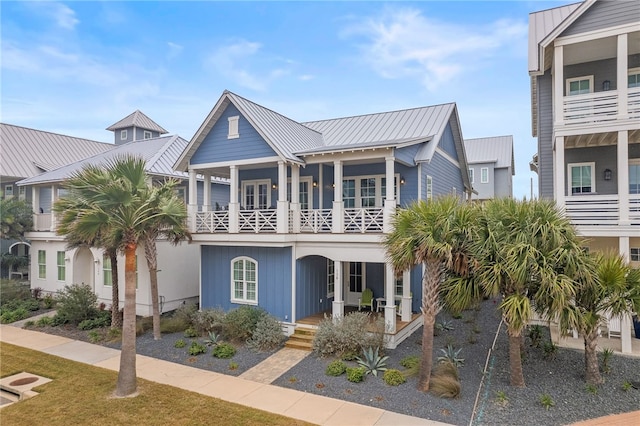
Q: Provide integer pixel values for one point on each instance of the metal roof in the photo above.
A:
(28, 152)
(137, 119)
(498, 149)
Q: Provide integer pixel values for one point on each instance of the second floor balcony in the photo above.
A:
(600, 107)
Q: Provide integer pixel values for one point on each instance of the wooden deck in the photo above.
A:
(314, 320)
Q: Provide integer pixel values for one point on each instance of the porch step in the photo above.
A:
(302, 338)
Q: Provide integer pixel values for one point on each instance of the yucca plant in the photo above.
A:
(372, 362)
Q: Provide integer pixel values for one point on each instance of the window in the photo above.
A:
(107, 279)
(181, 193)
(233, 127)
(634, 177)
(305, 195)
(42, 264)
(349, 193)
(471, 176)
(331, 278)
(147, 135)
(384, 189)
(579, 85)
(22, 195)
(244, 281)
(635, 254)
(367, 191)
(256, 194)
(634, 78)
(61, 267)
(429, 187)
(123, 135)
(581, 176)
(484, 175)
(8, 191)
(355, 277)
(399, 287)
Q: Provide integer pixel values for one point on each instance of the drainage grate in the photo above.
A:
(19, 386)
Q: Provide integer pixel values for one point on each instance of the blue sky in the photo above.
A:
(77, 67)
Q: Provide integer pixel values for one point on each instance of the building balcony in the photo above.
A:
(42, 221)
(599, 108)
(602, 210)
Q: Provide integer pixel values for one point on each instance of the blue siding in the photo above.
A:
(416, 288)
(408, 191)
(274, 277)
(375, 278)
(445, 174)
(311, 286)
(408, 154)
(216, 147)
(447, 143)
(219, 194)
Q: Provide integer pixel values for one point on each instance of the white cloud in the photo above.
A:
(174, 49)
(232, 61)
(404, 43)
(306, 77)
(61, 14)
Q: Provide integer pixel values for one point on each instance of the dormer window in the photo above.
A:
(123, 135)
(233, 127)
(147, 135)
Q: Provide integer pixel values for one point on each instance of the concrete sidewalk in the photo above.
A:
(298, 405)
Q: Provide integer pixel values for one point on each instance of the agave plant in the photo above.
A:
(372, 362)
(213, 339)
(452, 355)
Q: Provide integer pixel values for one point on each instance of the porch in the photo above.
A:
(602, 210)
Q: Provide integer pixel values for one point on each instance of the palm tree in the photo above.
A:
(435, 234)
(615, 291)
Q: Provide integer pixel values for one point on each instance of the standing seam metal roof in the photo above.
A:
(497, 148)
(137, 119)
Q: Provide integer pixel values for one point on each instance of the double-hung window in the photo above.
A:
(471, 177)
(331, 278)
(244, 281)
(42, 264)
(635, 254)
(429, 187)
(123, 135)
(581, 178)
(147, 134)
(62, 273)
(107, 277)
(484, 175)
(579, 85)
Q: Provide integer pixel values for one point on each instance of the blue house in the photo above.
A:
(309, 204)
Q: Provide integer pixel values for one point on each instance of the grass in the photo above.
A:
(81, 394)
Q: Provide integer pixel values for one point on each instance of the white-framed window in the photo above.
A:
(367, 191)
(181, 193)
(579, 85)
(8, 191)
(42, 264)
(22, 193)
(147, 135)
(484, 175)
(331, 278)
(634, 176)
(399, 287)
(581, 178)
(305, 192)
(62, 273)
(107, 277)
(256, 194)
(471, 177)
(429, 187)
(244, 281)
(233, 127)
(356, 277)
(633, 78)
(635, 254)
(123, 135)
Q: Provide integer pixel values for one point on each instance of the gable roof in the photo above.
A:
(138, 119)
(28, 152)
(496, 149)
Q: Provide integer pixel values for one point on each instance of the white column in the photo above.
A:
(389, 201)
(405, 306)
(389, 295)
(206, 194)
(559, 174)
(234, 207)
(621, 76)
(624, 248)
(54, 198)
(338, 207)
(35, 204)
(282, 206)
(625, 333)
(623, 177)
(192, 206)
(558, 84)
(320, 187)
(338, 302)
(295, 197)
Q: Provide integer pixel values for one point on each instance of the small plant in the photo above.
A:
(197, 349)
(44, 321)
(355, 374)
(114, 333)
(452, 355)
(535, 335)
(224, 351)
(372, 362)
(212, 340)
(550, 350)
(456, 315)
(336, 368)
(180, 343)
(445, 381)
(626, 385)
(190, 333)
(546, 401)
(94, 336)
(476, 329)
(29, 323)
(591, 388)
(233, 365)
(411, 361)
(443, 325)
(48, 301)
(267, 335)
(607, 353)
(473, 339)
(501, 398)
(393, 377)
(293, 379)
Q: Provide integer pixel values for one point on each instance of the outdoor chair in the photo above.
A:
(366, 299)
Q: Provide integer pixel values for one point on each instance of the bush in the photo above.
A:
(102, 320)
(94, 336)
(77, 303)
(267, 335)
(224, 350)
(336, 368)
(445, 381)
(394, 377)
(173, 325)
(185, 313)
(346, 337)
(13, 290)
(197, 349)
(48, 301)
(180, 343)
(190, 332)
(239, 324)
(410, 362)
(208, 320)
(355, 374)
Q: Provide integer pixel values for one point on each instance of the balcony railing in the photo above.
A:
(634, 208)
(598, 107)
(363, 220)
(42, 222)
(316, 220)
(634, 103)
(257, 221)
(209, 222)
(590, 210)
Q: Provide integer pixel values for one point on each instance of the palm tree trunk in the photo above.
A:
(592, 370)
(427, 353)
(151, 254)
(430, 286)
(127, 382)
(515, 359)
(116, 319)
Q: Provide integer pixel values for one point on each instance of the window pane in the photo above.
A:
(262, 196)
(349, 193)
(634, 179)
(249, 198)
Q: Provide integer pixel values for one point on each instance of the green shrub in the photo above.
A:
(410, 362)
(267, 334)
(29, 324)
(550, 350)
(372, 362)
(13, 290)
(180, 343)
(336, 368)
(451, 354)
(394, 377)
(535, 335)
(94, 336)
(355, 374)
(213, 339)
(208, 320)
(224, 350)
(48, 301)
(185, 314)
(44, 321)
(77, 303)
(239, 324)
(102, 320)
(233, 366)
(173, 325)
(197, 349)
(190, 333)
(546, 401)
(347, 336)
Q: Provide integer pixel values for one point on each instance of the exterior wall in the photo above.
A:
(604, 158)
(140, 133)
(503, 183)
(447, 142)
(408, 191)
(445, 174)
(600, 70)
(605, 14)
(486, 191)
(116, 136)
(178, 278)
(216, 147)
(274, 277)
(545, 134)
(407, 154)
(219, 195)
(311, 286)
(635, 243)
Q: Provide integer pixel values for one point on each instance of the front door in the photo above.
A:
(256, 195)
(354, 282)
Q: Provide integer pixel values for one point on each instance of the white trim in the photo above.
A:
(309, 181)
(448, 157)
(244, 300)
(483, 178)
(123, 135)
(379, 199)
(593, 177)
(233, 127)
(597, 34)
(145, 133)
(333, 264)
(255, 183)
(633, 71)
(227, 164)
(471, 174)
(568, 81)
(429, 184)
(63, 266)
(8, 190)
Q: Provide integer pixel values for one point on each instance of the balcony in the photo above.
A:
(599, 107)
(600, 210)
(42, 221)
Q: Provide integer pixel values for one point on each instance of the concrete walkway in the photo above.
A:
(274, 366)
(295, 404)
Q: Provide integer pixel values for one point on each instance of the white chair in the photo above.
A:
(614, 325)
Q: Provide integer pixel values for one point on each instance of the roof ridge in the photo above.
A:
(54, 133)
(556, 7)
(379, 113)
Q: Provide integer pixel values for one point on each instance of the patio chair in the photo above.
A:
(366, 299)
(614, 325)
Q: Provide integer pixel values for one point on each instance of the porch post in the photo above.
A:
(623, 177)
(338, 207)
(405, 306)
(320, 187)
(234, 208)
(390, 200)
(206, 192)
(35, 204)
(282, 206)
(54, 198)
(338, 303)
(559, 175)
(295, 198)
(558, 84)
(625, 333)
(390, 299)
(622, 72)
(623, 243)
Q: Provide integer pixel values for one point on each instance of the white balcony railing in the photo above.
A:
(633, 103)
(257, 221)
(316, 220)
(634, 208)
(209, 222)
(368, 219)
(589, 210)
(590, 107)
(42, 222)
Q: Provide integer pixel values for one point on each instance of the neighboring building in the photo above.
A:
(491, 166)
(134, 127)
(309, 204)
(584, 63)
(53, 265)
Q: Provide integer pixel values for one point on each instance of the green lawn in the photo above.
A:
(82, 395)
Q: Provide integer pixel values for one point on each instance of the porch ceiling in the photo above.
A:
(599, 139)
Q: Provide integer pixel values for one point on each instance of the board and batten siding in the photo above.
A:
(274, 277)
(311, 286)
(545, 132)
(217, 147)
(605, 14)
